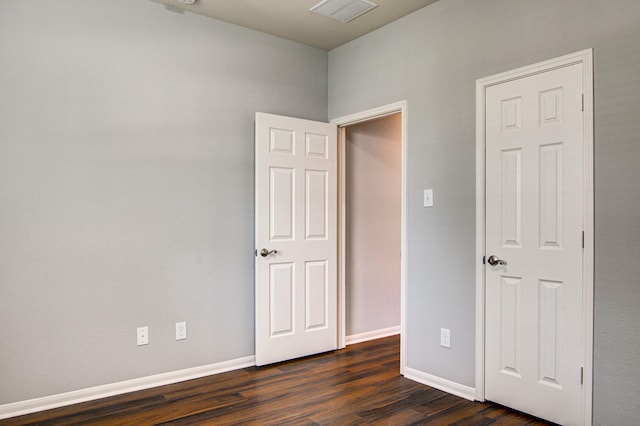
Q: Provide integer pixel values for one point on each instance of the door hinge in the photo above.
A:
(582, 102)
(582, 375)
(582, 239)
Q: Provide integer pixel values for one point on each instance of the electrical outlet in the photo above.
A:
(143, 336)
(181, 330)
(445, 337)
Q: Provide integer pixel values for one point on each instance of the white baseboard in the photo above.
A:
(54, 401)
(445, 385)
(371, 335)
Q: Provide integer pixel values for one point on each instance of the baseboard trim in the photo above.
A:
(372, 335)
(60, 400)
(444, 385)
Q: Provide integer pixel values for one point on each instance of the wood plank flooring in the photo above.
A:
(360, 385)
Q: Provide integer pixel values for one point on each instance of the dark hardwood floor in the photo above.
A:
(358, 385)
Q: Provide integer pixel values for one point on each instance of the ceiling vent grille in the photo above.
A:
(343, 10)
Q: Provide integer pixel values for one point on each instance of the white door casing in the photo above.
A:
(296, 215)
(537, 306)
(401, 108)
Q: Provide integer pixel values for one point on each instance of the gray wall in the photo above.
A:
(126, 180)
(374, 197)
(432, 58)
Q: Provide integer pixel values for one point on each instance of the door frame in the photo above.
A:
(342, 123)
(585, 58)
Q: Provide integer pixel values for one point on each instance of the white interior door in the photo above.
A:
(296, 238)
(534, 223)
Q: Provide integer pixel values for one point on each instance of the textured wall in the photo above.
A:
(373, 190)
(126, 177)
(432, 59)
(126, 180)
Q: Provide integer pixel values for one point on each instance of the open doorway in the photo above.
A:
(373, 166)
(372, 217)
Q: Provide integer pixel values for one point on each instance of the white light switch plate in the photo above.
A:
(445, 337)
(181, 330)
(428, 197)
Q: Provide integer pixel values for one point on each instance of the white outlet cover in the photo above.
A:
(142, 336)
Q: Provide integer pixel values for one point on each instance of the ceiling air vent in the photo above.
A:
(343, 10)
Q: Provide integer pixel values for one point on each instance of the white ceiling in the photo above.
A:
(292, 19)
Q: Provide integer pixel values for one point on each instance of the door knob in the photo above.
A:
(264, 252)
(494, 261)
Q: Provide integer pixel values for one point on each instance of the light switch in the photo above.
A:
(445, 337)
(428, 197)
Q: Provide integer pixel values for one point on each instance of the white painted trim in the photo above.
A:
(342, 238)
(480, 237)
(371, 114)
(588, 263)
(585, 58)
(372, 335)
(444, 385)
(89, 394)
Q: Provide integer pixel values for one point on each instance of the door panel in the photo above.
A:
(316, 212)
(296, 216)
(511, 211)
(282, 299)
(317, 290)
(511, 325)
(281, 204)
(551, 202)
(534, 205)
